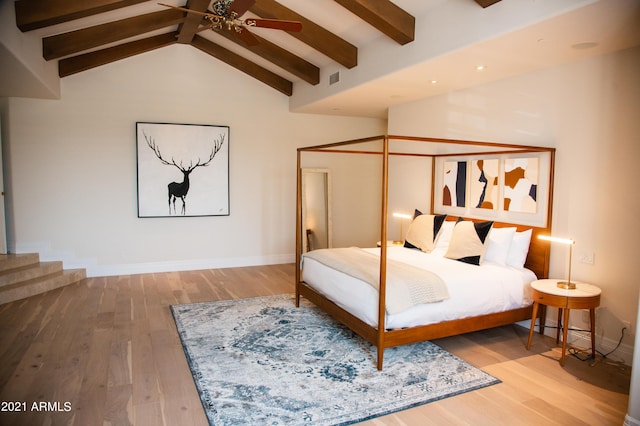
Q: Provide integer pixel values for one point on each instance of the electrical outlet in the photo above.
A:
(627, 324)
(588, 258)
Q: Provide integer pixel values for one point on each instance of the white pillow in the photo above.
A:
(444, 237)
(469, 241)
(499, 244)
(519, 249)
(420, 232)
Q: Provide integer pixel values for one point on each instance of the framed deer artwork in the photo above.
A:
(183, 170)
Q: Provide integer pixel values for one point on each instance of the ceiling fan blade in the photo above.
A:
(277, 24)
(246, 36)
(241, 6)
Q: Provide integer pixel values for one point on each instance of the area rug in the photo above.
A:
(262, 361)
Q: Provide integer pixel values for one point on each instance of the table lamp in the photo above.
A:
(563, 284)
(402, 217)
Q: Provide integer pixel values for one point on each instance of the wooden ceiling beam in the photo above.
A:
(73, 42)
(75, 64)
(385, 16)
(487, 3)
(189, 28)
(256, 71)
(31, 15)
(312, 34)
(278, 56)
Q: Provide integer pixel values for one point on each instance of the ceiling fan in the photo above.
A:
(226, 15)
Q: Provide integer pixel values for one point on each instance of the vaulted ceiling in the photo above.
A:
(123, 28)
(352, 57)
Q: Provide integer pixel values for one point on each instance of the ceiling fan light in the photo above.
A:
(221, 7)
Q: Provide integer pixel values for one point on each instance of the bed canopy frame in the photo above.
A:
(434, 148)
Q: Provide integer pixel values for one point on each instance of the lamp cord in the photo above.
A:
(576, 352)
(617, 346)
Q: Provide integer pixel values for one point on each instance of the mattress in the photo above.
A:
(474, 290)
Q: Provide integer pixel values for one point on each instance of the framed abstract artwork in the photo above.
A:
(505, 187)
(454, 183)
(183, 170)
(483, 183)
(521, 184)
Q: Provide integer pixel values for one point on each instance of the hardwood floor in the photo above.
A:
(106, 351)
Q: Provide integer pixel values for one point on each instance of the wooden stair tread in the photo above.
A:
(28, 272)
(12, 261)
(23, 275)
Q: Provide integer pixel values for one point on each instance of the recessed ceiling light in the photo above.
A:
(481, 68)
(434, 81)
(584, 45)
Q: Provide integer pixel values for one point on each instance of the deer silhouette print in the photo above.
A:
(180, 189)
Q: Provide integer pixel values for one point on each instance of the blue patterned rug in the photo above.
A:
(262, 361)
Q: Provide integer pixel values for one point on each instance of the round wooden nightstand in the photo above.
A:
(584, 296)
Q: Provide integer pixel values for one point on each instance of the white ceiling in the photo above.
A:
(592, 28)
(452, 37)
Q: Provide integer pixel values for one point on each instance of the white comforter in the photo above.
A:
(474, 290)
(407, 285)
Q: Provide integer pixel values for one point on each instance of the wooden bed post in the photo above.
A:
(298, 227)
(433, 186)
(382, 288)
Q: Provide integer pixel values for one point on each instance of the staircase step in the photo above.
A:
(28, 272)
(13, 261)
(23, 275)
(40, 284)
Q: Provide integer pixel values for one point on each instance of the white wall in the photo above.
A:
(356, 195)
(24, 72)
(588, 110)
(71, 166)
(409, 189)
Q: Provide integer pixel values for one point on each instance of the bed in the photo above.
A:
(496, 294)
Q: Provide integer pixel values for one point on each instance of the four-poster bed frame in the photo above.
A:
(537, 259)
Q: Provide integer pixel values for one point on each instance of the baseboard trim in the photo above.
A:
(71, 261)
(630, 421)
(186, 265)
